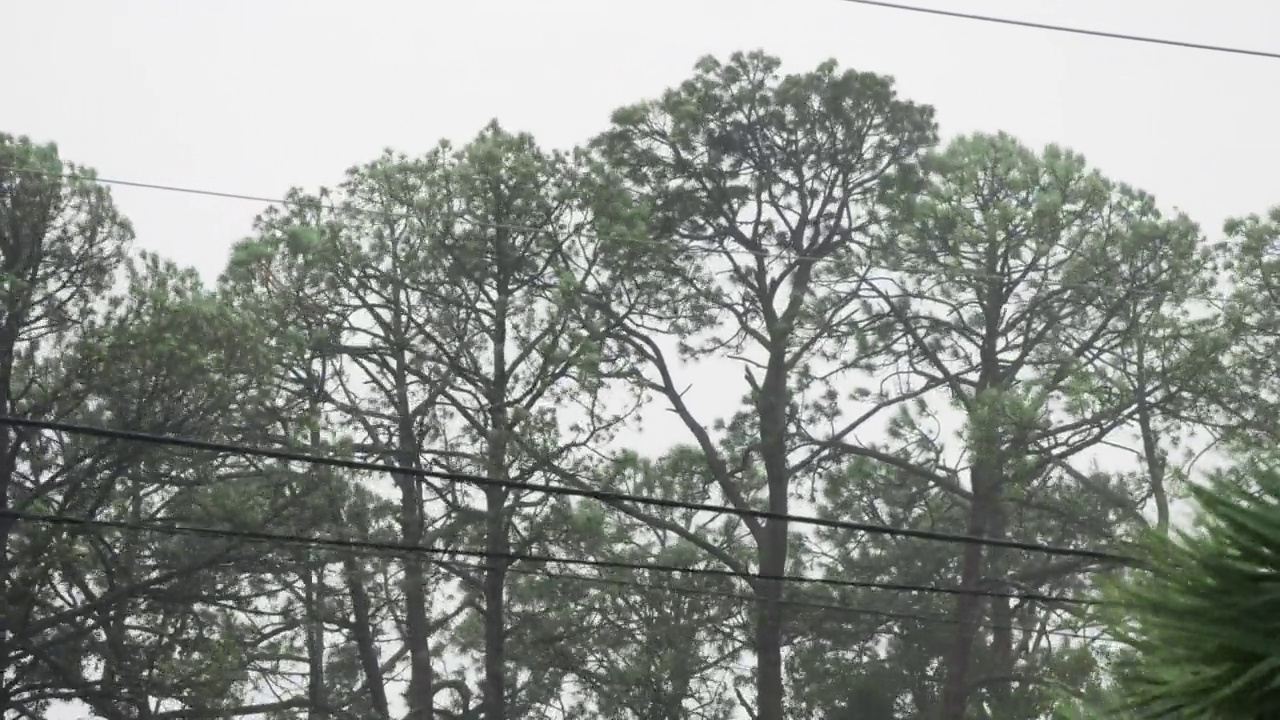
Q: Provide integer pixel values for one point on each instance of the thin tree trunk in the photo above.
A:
(421, 695)
(418, 631)
(497, 541)
(9, 444)
(6, 527)
(770, 699)
(1154, 457)
(1156, 461)
(773, 402)
(955, 688)
(495, 630)
(363, 631)
(1002, 657)
(986, 465)
(313, 589)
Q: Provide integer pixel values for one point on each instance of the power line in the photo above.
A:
(516, 570)
(379, 213)
(256, 536)
(790, 602)
(1068, 29)
(601, 495)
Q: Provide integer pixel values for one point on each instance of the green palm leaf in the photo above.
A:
(1203, 614)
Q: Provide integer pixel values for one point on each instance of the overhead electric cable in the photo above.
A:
(1068, 29)
(1130, 291)
(790, 602)
(601, 495)
(406, 549)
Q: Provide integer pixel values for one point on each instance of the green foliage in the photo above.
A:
(1010, 266)
(644, 644)
(1200, 614)
(1245, 395)
(933, 338)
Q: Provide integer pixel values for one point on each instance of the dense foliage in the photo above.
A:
(820, 308)
(1200, 615)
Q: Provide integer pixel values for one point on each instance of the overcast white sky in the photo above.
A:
(255, 96)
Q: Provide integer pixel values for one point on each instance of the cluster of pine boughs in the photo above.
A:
(760, 290)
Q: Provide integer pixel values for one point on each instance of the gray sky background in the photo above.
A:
(255, 96)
